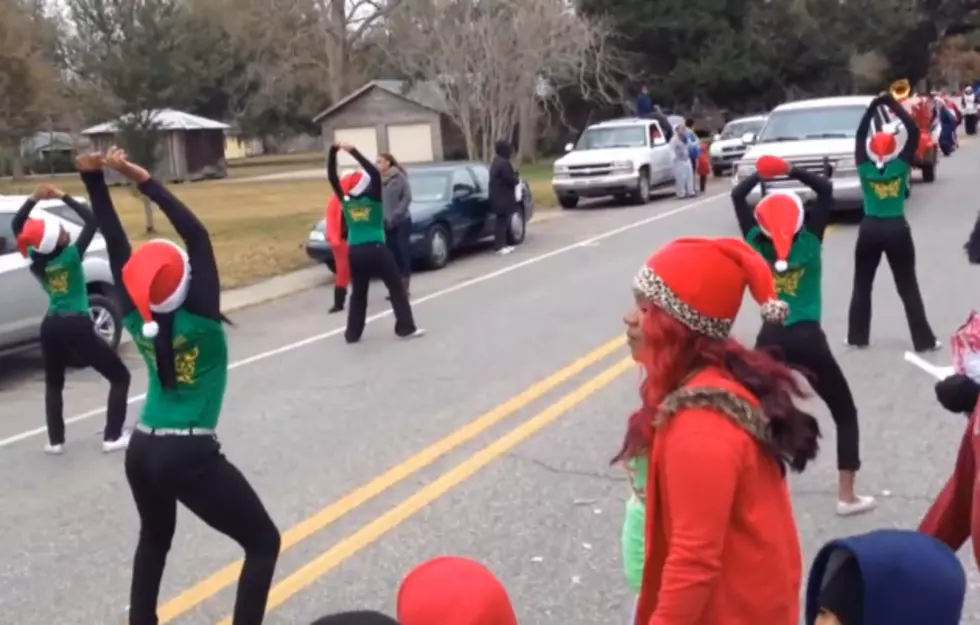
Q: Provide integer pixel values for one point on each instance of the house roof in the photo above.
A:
(41, 141)
(166, 119)
(427, 94)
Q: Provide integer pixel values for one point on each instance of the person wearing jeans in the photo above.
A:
(396, 196)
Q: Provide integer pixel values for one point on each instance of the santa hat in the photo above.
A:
(450, 590)
(358, 617)
(883, 146)
(41, 234)
(780, 216)
(157, 277)
(354, 184)
(701, 282)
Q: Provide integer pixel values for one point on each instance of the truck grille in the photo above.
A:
(589, 171)
(734, 150)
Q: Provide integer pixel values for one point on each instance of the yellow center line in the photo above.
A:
(227, 576)
(341, 551)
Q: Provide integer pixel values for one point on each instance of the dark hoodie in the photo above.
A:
(503, 180)
(907, 578)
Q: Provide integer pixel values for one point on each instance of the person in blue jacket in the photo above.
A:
(947, 128)
(885, 577)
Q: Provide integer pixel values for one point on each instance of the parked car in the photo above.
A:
(727, 146)
(450, 209)
(817, 135)
(23, 303)
(622, 158)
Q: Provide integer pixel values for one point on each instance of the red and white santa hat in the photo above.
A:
(354, 184)
(449, 590)
(156, 278)
(701, 282)
(780, 216)
(40, 233)
(883, 147)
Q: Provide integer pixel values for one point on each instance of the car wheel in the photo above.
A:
(929, 172)
(642, 193)
(719, 172)
(437, 245)
(331, 265)
(106, 319)
(517, 228)
(568, 201)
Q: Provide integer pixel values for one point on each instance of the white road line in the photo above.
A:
(421, 300)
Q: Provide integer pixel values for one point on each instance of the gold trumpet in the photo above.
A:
(900, 89)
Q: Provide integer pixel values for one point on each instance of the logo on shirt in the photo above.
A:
(788, 282)
(885, 190)
(185, 360)
(57, 280)
(360, 213)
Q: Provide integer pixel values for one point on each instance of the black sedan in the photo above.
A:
(450, 209)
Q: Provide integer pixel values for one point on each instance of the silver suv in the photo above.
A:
(22, 301)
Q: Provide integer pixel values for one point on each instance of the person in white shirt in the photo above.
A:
(968, 104)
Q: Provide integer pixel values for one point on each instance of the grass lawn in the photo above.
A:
(259, 229)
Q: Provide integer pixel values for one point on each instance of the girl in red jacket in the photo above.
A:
(336, 229)
(704, 164)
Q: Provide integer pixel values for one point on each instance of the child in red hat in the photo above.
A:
(68, 336)
(171, 299)
(449, 590)
(719, 428)
(336, 231)
(791, 239)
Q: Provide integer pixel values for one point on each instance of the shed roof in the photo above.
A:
(427, 94)
(166, 119)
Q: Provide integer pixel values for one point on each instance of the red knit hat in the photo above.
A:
(780, 216)
(701, 282)
(450, 590)
(41, 234)
(156, 278)
(355, 183)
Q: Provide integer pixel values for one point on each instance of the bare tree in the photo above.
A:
(498, 64)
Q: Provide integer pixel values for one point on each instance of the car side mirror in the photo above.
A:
(748, 137)
(716, 137)
(462, 191)
(569, 147)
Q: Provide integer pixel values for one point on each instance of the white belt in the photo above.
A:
(175, 431)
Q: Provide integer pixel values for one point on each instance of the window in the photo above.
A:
(825, 122)
(7, 239)
(735, 129)
(599, 137)
(65, 212)
(429, 186)
(482, 174)
(463, 176)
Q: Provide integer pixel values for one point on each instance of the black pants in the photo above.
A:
(501, 228)
(803, 346)
(68, 340)
(398, 240)
(970, 123)
(163, 470)
(374, 260)
(892, 238)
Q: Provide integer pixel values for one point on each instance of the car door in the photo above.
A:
(22, 302)
(469, 212)
(481, 173)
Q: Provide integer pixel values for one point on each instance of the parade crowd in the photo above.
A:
(709, 536)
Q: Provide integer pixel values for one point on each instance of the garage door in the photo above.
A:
(411, 143)
(364, 139)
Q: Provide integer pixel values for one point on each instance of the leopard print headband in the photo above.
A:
(650, 286)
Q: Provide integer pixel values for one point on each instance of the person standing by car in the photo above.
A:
(363, 212)
(503, 195)
(67, 333)
(396, 195)
(683, 172)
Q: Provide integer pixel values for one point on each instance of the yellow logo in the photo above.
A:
(57, 281)
(788, 283)
(360, 213)
(885, 190)
(185, 363)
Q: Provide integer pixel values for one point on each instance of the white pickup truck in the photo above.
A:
(622, 158)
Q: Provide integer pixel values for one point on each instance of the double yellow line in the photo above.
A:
(341, 551)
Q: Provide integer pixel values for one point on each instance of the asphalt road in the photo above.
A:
(477, 440)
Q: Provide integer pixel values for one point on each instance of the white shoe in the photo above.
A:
(847, 343)
(419, 332)
(119, 444)
(54, 450)
(934, 348)
(505, 251)
(864, 503)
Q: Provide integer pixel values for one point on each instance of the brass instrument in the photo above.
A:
(900, 89)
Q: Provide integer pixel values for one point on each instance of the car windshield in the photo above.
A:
(825, 122)
(64, 212)
(429, 186)
(734, 130)
(597, 138)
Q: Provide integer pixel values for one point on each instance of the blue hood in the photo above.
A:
(909, 578)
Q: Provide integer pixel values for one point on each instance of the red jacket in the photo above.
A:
(704, 159)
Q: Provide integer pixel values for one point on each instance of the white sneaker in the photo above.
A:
(864, 503)
(847, 343)
(54, 450)
(505, 251)
(117, 445)
(419, 332)
(934, 348)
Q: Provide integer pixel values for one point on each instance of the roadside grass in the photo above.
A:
(259, 229)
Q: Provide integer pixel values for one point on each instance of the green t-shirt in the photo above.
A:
(64, 282)
(365, 219)
(633, 539)
(799, 286)
(201, 364)
(884, 189)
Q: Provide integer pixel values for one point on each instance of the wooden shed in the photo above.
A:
(407, 120)
(191, 147)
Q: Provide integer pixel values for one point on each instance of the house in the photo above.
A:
(407, 120)
(191, 147)
(50, 152)
(238, 146)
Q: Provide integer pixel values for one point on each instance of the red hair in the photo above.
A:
(672, 352)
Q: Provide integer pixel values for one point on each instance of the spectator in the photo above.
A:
(503, 195)
(683, 172)
(644, 105)
(397, 198)
(450, 590)
(693, 147)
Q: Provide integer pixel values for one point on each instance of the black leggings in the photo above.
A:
(803, 346)
(163, 470)
(71, 340)
(374, 260)
(970, 123)
(893, 238)
(501, 229)
(398, 240)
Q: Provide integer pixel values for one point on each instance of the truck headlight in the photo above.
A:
(561, 170)
(622, 166)
(846, 164)
(744, 168)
